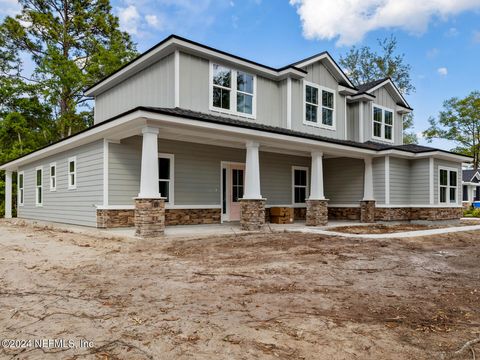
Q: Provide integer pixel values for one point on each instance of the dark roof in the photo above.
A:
(215, 119)
(467, 175)
(369, 85)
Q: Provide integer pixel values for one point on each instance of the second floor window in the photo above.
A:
(319, 106)
(382, 123)
(232, 91)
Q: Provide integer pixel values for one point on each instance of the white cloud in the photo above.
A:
(349, 21)
(452, 32)
(443, 71)
(153, 21)
(9, 8)
(129, 19)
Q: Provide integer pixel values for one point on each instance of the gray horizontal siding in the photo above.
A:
(399, 181)
(378, 169)
(343, 180)
(420, 181)
(76, 206)
(197, 172)
(153, 86)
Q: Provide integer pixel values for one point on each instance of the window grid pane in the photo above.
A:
(311, 113)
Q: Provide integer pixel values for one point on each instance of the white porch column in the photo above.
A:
(252, 172)
(149, 171)
(368, 180)
(8, 194)
(316, 178)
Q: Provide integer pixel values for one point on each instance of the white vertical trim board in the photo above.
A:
(431, 180)
(289, 103)
(177, 77)
(8, 194)
(346, 119)
(361, 122)
(387, 180)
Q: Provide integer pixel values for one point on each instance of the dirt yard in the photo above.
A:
(272, 296)
(385, 228)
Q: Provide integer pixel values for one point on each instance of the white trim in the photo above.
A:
(355, 205)
(383, 124)
(70, 185)
(38, 188)
(50, 177)
(346, 119)
(431, 187)
(320, 106)
(177, 78)
(233, 92)
(307, 187)
(387, 180)
(8, 194)
(105, 171)
(20, 203)
(447, 195)
(167, 206)
(289, 103)
(171, 181)
(392, 85)
(393, 206)
(361, 134)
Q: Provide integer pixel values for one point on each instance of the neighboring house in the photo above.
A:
(471, 186)
(222, 138)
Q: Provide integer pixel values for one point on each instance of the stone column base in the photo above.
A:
(367, 211)
(317, 212)
(149, 217)
(252, 214)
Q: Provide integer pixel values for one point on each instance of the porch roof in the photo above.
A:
(137, 117)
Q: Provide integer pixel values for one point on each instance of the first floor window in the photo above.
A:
(300, 185)
(165, 172)
(20, 188)
(382, 123)
(448, 186)
(39, 187)
(72, 173)
(53, 177)
(319, 105)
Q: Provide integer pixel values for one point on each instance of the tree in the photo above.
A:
(73, 44)
(459, 121)
(365, 64)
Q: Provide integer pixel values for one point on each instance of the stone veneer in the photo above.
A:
(114, 218)
(367, 211)
(317, 212)
(414, 213)
(252, 214)
(149, 217)
(344, 213)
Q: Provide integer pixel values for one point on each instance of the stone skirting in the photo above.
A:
(414, 213)
(252, 214)
(344, 213)
(192, 216)
(317, 212)
(149, 217)
(114, 218)
(367, 211)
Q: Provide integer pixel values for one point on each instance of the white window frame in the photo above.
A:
(69, 173)
(382, 135)
(307, 187)
(233, 93)
(448, 202)
(171, 181)
(38, 188)
(319, 123)
(21, 190)
(53, 179)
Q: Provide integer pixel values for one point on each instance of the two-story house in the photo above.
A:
(188, 134)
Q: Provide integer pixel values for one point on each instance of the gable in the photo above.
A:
(317, 73)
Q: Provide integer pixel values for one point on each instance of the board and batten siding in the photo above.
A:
(195, 92)
(153, 86)
(318, 74)
(343, 180)
(420, 182)
(71, 206)
(378, 169)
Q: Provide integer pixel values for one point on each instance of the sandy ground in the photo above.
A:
(385, 228)
(271, 296)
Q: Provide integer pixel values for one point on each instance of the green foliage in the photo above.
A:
(472, 212)
(366, 64)
(459, 121)
(73, 43)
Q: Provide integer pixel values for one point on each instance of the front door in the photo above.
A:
(233, 175)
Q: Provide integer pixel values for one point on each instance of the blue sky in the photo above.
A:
(440, 38)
